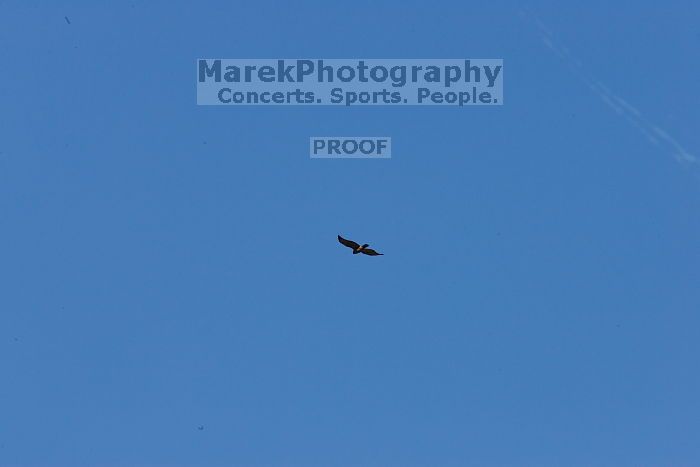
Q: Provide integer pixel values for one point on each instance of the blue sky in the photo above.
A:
(167, 266)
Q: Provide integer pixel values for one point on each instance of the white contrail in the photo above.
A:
(653, 133)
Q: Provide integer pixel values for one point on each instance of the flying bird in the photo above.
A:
(357, 248)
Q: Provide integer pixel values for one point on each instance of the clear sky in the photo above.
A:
(171, 287)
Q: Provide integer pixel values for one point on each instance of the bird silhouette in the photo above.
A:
(357, 248)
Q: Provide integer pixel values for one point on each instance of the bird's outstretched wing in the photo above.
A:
(371, 252)
(348, 243)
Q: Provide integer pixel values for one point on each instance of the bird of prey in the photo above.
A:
(357, 248)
